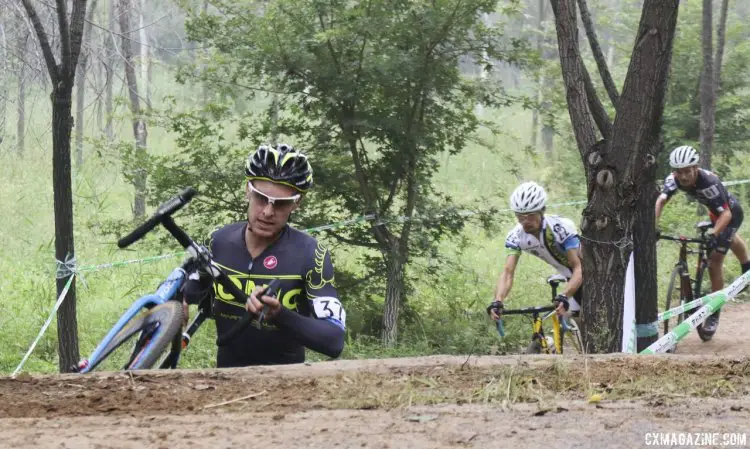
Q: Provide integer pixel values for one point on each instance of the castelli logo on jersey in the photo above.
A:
(270, 262)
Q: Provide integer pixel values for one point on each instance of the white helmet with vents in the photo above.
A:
(528, 197)
(684, 156)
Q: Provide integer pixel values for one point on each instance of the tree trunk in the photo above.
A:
(21, 103)
(139, 124)
(109, 67)
(548, 132)
(62, 76)
(596, 50)
(644, 249)
(394, 292)
(204, 84)
(273, 112)
(145, 52)
(62, 124)
(539, 78)
(98, 77)
(80, 93)
(81, 89)
(620, 172)
(707, 93)
(5, 64)
(720, 41)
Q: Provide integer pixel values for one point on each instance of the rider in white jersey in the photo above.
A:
(551, 238)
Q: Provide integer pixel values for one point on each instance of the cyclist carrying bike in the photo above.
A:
(552, 238)
(306, 312)
(724, 211)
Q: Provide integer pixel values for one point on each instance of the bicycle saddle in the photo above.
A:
(556, 279)
(704, 225)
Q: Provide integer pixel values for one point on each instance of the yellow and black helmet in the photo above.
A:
(282, 165)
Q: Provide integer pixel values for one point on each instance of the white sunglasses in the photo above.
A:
(275, 202)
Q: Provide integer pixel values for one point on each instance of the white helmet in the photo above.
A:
(684, 156)
(528, 197)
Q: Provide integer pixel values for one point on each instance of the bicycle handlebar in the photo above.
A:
(162, 212)
(525, 311)
(680, 238)
(528, 310)
(163, 216)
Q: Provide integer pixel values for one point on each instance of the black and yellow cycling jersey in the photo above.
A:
(307, 288)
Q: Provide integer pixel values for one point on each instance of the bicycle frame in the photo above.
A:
(166, 291)
(687, 289)
(557, 334)
(537, 326)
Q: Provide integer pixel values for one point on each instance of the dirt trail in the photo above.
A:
(730, 338)
(425, 402)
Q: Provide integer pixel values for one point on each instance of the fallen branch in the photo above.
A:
(243, 398)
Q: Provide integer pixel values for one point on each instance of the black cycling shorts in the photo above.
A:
(724, 240)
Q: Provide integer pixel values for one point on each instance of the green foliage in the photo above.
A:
(369, 87)
(682, 114)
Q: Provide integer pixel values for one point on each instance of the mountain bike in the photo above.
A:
(687, 288)
(157, 318)
(541, 343)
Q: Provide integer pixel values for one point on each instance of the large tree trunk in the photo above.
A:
(394, 292)
(139, 124)
(707, 93)
(620, 172)
(62, 124)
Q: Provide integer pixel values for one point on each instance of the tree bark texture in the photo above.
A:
(394, 292)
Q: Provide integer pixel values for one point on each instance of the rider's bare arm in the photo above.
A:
(505, 281)
(574, 258)
(660, 202)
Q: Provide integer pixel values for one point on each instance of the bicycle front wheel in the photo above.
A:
(157, 327)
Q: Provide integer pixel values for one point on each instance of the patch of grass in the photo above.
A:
(543, 382)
